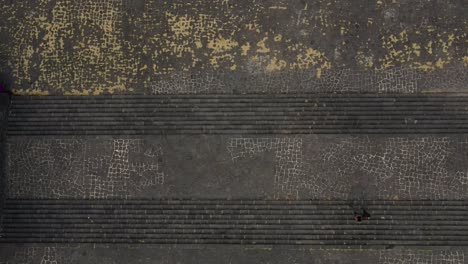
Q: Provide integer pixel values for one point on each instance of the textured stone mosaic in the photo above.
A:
(164, 254)
(391, 168)
(152, 46)
(42, 255)
(397, 80)
(421, 257)
(288, 172)
(407, 168)
(75, 168)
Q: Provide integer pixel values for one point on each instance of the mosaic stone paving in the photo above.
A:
(301, 167)
(423, 257)
(395, 80)
(152, 46)
(165, 255)
(42, 255)
(72, 168)
(395, 167)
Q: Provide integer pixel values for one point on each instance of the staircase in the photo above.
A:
(244, 222)
(238, 114)
(411, 223)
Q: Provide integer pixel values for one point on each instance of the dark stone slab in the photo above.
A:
(237, 222)
(349, 167)
(16, 254)
(239, 114)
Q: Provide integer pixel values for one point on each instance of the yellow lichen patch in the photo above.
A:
(446, 43)
(193, 33)
(79, 93)
(110, 90)
(30, 92)
(252, 26)
(278, 7)
(98, 44)
(98, 91)
(215, 60)
(97, 61)
(52, 48)
(427, 66)
(116, 88)
(399, 51)
(440, 63)
(261, 46)
(221, 50)
(276, 65)
(180, 25)
(311, 58)
(430, 66)
(221, 44)
(364, 61)
(429, 47)
(416, 49)
(245, 49)
(23, 62)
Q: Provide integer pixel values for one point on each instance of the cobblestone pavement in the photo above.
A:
(57, 254)
(300, 167)
(346, 167)
(77, 168)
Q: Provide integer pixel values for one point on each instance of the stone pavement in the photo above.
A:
(148, 131)
(189, 175)
(225, 46)
(227, 222)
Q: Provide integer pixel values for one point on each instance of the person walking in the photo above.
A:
(363, 215)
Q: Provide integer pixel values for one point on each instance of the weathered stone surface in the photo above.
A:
(156, 48)
(343, 167)
(226, 254)
(152, 46)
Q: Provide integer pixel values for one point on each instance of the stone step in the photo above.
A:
(216, 221)
(252, 114)
(141, 226)
(320, 106)
(259, 241)
(227, 211)
(219, 202)
(129, 132)
(233, 222)
(257, 96)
